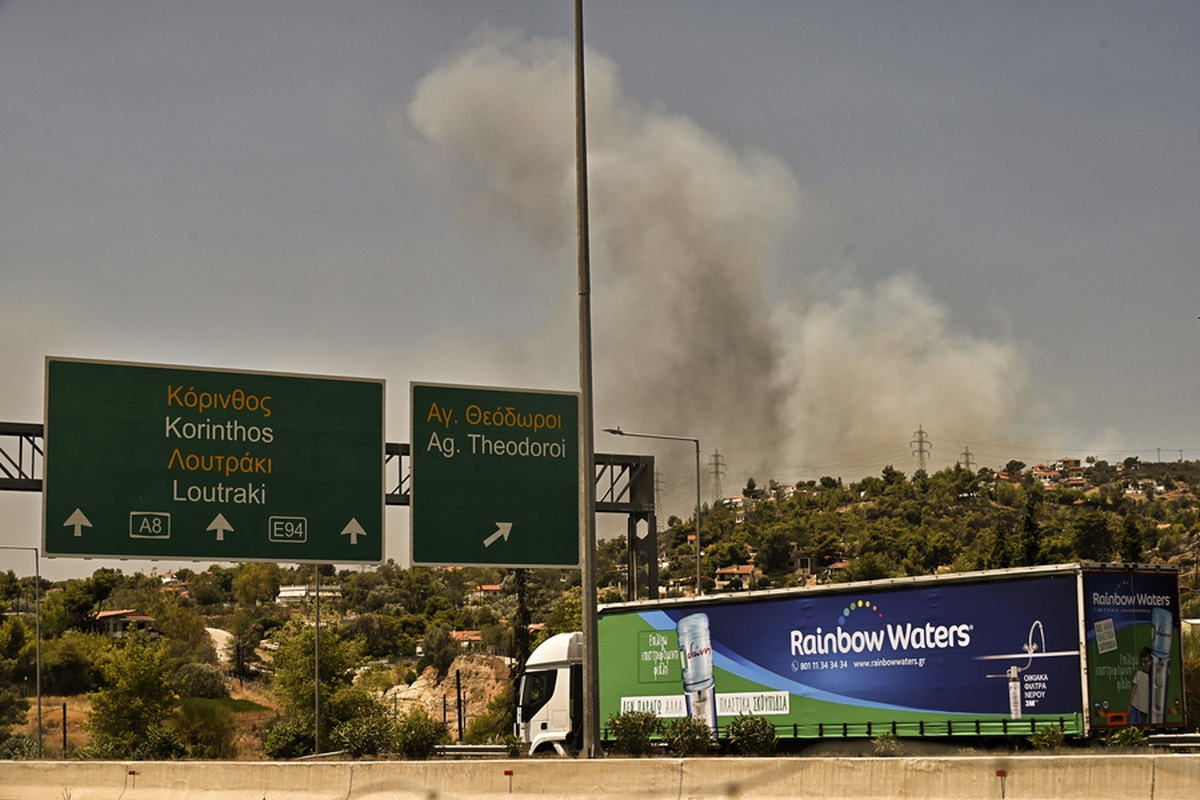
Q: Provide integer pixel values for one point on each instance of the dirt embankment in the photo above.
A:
(477, 678)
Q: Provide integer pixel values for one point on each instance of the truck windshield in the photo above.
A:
(536, 689)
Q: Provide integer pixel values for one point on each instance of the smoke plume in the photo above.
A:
(695, 331)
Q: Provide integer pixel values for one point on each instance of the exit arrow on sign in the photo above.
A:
(502, 529)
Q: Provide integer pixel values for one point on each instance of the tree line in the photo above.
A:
(163, 692)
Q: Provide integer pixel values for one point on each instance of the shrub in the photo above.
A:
(365, 736)
(634, 732)
(495, 722)
(1126, 737)
(201, 680)
(161, 744)
(688, 737)
(18, 747)
(888, 745)
(1047, 738)
(208, 727)
(288, 739)
(752, 736)
(417, 734)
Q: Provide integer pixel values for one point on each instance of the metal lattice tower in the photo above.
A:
(921, 446)
(716, 466)
(966, 458)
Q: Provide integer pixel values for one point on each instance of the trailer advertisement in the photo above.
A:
(1134, 654)
(990, 655)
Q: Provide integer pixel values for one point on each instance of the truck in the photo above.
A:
(1085, 647)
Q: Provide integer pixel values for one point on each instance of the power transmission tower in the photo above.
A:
(966, 458)
(658, 499)
(923, 446)
(716, 465)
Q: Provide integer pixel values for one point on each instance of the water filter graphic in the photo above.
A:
(1013, 673)
(1160, 662)
(696, 660)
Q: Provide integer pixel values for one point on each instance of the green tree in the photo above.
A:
(294, 681)
(1129, 545)
(135, 700)
(256, 583)
(1092, 536)
(774, 552)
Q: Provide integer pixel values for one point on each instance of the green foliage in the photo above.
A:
(1047, 737)
(293, 682)
(440, 649)
(567, 612)
(256, 583)
(135, 700)
(160, 743)
(71, 663)
(496, 722)
(201, 680)
(752, 736)
(1191, 678)
(687, 737)
(417, 734)
(207, 726)
(1126, 737)
(18, 747)
(287, 738)
(634, 732)
(13, 710)
(887, 745)
(364, 737)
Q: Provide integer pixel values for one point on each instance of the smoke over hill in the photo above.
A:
(714, 315)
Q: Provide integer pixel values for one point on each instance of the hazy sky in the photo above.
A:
(816, 227)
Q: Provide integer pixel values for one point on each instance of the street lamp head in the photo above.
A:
(615, 431)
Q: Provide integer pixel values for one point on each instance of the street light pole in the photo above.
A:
(37, 616)
(694, 440)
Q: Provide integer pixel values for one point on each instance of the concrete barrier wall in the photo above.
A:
(1086, 777)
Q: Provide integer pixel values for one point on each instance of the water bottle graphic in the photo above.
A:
(1160, 663)
(695, 654)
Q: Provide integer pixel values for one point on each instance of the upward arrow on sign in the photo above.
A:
(353, 530)
(78, 521)
(220, 525)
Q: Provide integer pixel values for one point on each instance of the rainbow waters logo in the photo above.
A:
(896, 637)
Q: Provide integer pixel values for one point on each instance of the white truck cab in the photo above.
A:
(549, 704)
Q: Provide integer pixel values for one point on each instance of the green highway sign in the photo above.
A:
(495, 477)
(162, 462)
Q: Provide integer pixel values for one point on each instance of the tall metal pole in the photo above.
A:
(37, 617)
(587, 444)
(699, 589)
(317, 661)
(694, 440)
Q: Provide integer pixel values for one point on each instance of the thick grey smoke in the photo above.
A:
(691, 334)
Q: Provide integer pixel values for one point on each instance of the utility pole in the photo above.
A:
(716, 465)
(922, 446)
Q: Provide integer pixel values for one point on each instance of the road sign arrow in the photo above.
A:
(78, 521)
(502, 529)
(220, 525)
(353, 530)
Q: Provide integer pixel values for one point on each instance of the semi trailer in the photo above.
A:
(1085, 647)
